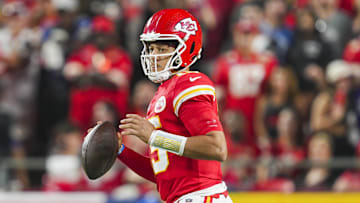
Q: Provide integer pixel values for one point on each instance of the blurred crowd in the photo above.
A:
(286, 72)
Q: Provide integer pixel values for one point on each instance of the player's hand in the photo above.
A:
(136, 125)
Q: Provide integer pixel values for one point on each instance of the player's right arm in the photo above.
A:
(138, 163)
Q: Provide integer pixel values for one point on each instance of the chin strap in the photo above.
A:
(160, 77)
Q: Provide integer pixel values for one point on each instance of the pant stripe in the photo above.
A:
(208, 199)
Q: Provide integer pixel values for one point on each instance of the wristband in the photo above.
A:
(121, 149)
(167, 141)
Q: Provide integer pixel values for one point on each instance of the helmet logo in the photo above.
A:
(187, 25)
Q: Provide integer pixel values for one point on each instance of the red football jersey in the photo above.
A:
(184, 105)
(243, 80)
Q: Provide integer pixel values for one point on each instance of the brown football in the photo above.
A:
(99, 150)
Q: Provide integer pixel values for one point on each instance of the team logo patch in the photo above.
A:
(160, 104)
(187, 25)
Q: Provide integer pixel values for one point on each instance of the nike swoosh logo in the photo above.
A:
(193, 79)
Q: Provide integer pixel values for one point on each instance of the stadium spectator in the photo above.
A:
(266, 179)
(274, 28)
(318, 177)
(281, 90)
(309, 54)
(240, 74)
(252, 12)
(61, 38)
(288, 149)
(63, 164)
(352, 56)
(98, 70)
(333, 24)
(308, 57)
(331, 107)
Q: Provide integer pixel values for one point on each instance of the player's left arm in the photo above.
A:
(201, 119)
(211, 146)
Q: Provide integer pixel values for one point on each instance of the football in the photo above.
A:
(99, 150)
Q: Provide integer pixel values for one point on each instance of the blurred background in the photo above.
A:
(287, 77)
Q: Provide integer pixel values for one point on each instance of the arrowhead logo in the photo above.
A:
(160, 104)
(187, 25)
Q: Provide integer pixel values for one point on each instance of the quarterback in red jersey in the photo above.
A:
(182, 126)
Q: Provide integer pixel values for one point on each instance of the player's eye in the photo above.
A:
(150, 49)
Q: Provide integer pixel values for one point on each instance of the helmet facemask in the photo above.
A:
(149, 61)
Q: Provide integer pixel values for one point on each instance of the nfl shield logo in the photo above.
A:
(188, 200)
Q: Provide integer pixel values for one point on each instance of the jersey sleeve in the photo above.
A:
(199, 116)
(195, 104)
(138, 163)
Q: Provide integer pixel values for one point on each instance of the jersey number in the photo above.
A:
(159, 157)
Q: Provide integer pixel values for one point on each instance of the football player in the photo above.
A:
(182, 126)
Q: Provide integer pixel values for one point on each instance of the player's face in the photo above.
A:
(161, 61)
